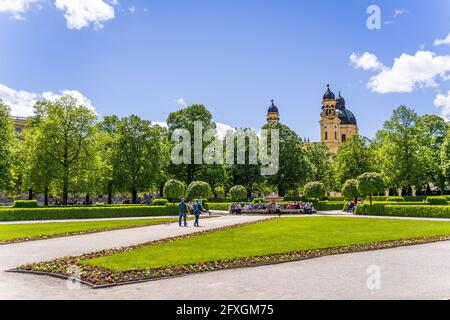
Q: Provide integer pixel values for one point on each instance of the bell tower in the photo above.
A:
(329, 121)
(273, 116)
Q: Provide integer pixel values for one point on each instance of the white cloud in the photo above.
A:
(16, 7)
(132, 9)
(181, 102)
(82, 13)
(222, 129)
(160, 123)
(367, 61)
(408, 72)
(22, 102)
(443, 101)
(83, 100)
(439, 42)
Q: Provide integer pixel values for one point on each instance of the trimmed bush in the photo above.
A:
(370, 183)
(160, 202)
(437, 201)
(418, 211)
(328, 205)
(335, 198)
(379, 208)
(61, 213)
(415, 198)
(350, 189)
(25, 204)
(220, 200)
(197, 189)
(221, 206)
(314, 190)
(395, 199)
(174, 190)
(238, 193)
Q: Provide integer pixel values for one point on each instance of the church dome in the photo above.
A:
(329, 95)
(273, 108)
(340, 102)
(347, 117)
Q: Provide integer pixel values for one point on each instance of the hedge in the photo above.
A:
(418, 211)
(160, 202)
(61, 213)
(328, 205)
(437, 201)
(25, 204)
(380, 208)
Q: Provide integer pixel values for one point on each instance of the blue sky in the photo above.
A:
(233, 56)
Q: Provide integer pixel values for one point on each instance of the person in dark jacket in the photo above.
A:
(197, 211)
(182, 211)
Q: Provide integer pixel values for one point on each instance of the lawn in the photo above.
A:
(275, 236)
(20, 232)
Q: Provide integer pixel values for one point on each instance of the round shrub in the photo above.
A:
(370, 183)
(160, 202)
(197, 189)
(25, 204)
(350, 189)
(315, 190)
(238, 193)
(437, 201)
(174, 190)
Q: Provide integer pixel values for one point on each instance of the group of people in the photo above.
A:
(195, 207)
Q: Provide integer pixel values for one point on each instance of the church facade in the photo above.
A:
(337, 123)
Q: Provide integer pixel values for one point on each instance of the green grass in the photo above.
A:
(271, 237)
(12, 232)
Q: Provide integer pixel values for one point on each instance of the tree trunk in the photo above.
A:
(65, 191)
(134, 196)
(109, 197)
(281, 191)
(30, 194)
(370, 199)
(87, 199)
(46, 196)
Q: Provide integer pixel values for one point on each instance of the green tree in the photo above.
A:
(197, 189)
(321, 163)
(445, 157)
(247, 174)
(400, 156)
(432, 130)
(108, 176)
(294, 168)
(370, 183)
(174, 190)
(6, 144)
(136, 155)
(67, 134)
(352, 159)
(315, 190)
(350, 189)
(238, 193)
(186, 119)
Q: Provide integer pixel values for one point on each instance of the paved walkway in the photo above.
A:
(415, 272)
(14, 285)
(82, 220)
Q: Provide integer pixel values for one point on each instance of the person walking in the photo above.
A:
(197, 211)
(182, 211)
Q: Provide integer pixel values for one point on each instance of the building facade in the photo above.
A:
(337, 123)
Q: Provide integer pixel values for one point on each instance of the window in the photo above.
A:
(326, 135)
(344, 137)
(335, 135)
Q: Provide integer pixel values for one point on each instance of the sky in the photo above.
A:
(152, 57)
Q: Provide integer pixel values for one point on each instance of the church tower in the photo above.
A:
(337, 123)
(273, 116)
